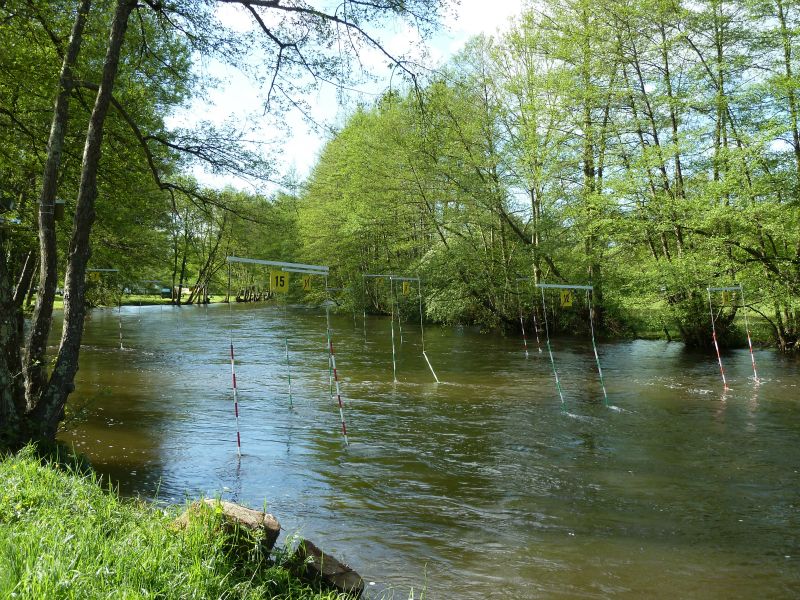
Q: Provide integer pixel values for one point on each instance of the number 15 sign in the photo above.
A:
(279, 281)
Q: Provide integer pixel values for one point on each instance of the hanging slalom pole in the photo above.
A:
(396, 304)
(566, 301)
(589, 299)
(286, 344)
(119, 320)
(335, 373)
(394, 353)
(521, 320)
(233, 368)
(364, 305)
(388, 276)
(422, 331)
(714, 335)
(550, 351)
(533, 316)
(235, 403)
(749, 341)
(536, 329)
(289, 372)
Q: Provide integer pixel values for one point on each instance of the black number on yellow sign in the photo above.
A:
(279, 281)
(306, 283)
(566, 298)
(406, 288)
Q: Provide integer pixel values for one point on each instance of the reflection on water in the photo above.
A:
(478, 487)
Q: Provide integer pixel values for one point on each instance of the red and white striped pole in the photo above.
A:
(749, 342)
(332, 365)
(536, 329)
(521, 322)
(233, 367)
(714, 338)
(338, 393)
(119, 320)
(235, 403)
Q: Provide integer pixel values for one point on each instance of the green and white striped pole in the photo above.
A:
(550, 351)
(394, 353)
(594, 345)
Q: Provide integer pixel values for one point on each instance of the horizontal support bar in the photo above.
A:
(389, 276)
(305, 271)
(102, 270)
(565, 287)
(404, 278)
(286, 266)
(734, 288)
(329, 289)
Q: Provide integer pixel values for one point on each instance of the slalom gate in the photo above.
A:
(279, 278)
(408, 280)
(566, 302)
(730, 292)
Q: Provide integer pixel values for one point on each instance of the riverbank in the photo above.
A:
(62, 534)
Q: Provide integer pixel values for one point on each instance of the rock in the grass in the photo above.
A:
(248, 528)
(312, 563)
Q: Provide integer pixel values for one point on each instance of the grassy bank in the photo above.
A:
(63, 536)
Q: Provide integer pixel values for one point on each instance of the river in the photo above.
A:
(481, 486)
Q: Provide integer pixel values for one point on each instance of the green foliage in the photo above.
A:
(651, 150)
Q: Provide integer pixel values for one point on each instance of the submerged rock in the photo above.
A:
(312, 563)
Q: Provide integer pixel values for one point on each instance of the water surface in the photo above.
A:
(482, 486)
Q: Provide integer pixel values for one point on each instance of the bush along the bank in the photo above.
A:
(63, 536)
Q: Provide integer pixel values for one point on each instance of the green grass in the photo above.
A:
(63, 536)
(138, 300)
(144, 300)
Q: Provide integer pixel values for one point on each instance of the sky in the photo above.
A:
(297, 146)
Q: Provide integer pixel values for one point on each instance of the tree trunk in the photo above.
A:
(11, 389)
(49, 411)
(791, 97)
(36, 348)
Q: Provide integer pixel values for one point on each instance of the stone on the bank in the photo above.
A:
(312, 563)
(247, 527)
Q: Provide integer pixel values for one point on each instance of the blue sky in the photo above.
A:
(297, 146)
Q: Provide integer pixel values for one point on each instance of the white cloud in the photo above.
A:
(235, 17)
(473, 17)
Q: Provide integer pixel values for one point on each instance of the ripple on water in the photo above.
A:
(477, 487)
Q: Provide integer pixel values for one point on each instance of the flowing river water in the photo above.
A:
(481, 486)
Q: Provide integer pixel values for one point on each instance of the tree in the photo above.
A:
(296, 37)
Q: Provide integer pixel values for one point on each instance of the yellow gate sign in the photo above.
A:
(279, 281)
(94, 276)
(306, 283)
(406, 288)
(566, 298)
(728, 298)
